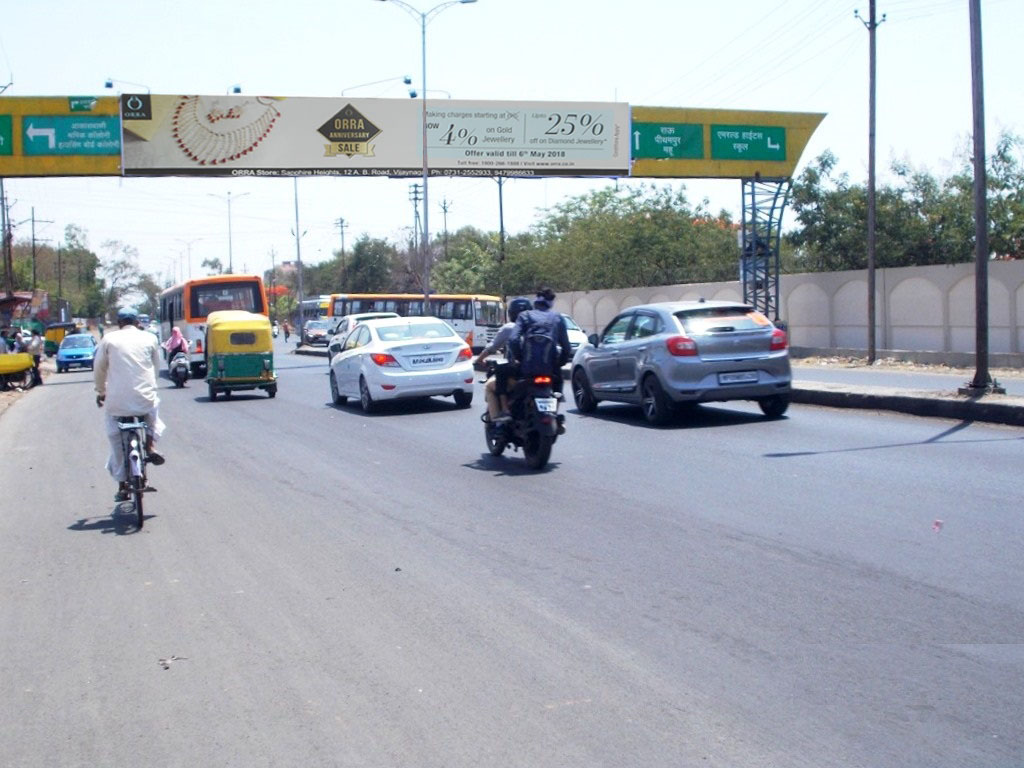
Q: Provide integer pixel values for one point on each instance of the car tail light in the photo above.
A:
(681, 346)
(384, 360)
(541, 379)
(465, 353)
(779, 340)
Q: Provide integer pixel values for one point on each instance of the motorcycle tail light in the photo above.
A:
(541, 379)
(384, 360)
(779, 340)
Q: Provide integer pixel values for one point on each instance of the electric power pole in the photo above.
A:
(415, 195)
(445, 205)
(983, 383)
(872, 25)
(342, 225)
(41, 221)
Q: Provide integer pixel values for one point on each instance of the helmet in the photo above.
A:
(516, 306)
(127, 315)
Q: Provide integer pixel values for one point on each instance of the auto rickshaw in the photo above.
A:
(54, 335)
(239, 353)
(16, 370)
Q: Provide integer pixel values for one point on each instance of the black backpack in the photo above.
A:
(538, 345)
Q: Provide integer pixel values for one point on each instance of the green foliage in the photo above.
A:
(920, 219)
(370, 266)
(615, 238)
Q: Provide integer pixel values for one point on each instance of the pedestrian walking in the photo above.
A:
(36, 347)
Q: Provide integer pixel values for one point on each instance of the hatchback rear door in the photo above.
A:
(732, 333)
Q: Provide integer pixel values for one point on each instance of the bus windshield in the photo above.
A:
(211, 297)
(490, 313)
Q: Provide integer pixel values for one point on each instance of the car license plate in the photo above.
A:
(546, 404)
(427, 359)
(737, 377)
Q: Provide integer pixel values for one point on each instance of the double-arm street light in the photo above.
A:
(424, 18)
(231, 264)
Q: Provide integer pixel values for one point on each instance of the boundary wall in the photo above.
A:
(923, 313)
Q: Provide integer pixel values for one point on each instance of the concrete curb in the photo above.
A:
(998, 409)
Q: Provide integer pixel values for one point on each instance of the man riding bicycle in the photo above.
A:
(125, 368)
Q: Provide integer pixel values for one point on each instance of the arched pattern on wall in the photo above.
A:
(808, 318)
(962, 315)
(917, 315)
(850, 315)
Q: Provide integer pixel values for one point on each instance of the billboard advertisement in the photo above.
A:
(235, 135)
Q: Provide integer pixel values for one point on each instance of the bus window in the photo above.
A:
(214, 296)
(413, 309)
(491, 313)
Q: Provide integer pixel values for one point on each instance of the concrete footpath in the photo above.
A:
(938, 399)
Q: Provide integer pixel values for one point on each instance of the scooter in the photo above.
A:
(179, 369)
(536, 422)
(273, 331)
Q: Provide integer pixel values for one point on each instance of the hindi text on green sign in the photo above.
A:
(667, 140)
(748, 142)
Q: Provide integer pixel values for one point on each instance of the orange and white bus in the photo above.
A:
(187, 305)
(476, 317)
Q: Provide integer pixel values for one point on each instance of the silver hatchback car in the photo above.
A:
(662, 356)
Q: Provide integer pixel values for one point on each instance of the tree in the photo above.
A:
(121, 273)
(214, 265)
(370, 266)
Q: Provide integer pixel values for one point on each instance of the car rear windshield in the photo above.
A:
(314, 324)
(704, 320)
(76, 341)
(408, 331)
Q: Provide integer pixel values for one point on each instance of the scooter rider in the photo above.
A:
(497, 387)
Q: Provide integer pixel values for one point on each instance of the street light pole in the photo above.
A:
(188, 245)
(424, 17)
(231, 265)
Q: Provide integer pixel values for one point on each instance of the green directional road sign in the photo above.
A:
(6, 135)
(667, 140)
(85, 135)
(748, 142)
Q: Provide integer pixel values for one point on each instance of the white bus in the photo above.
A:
(477, 317)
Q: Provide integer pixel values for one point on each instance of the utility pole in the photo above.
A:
(342, 225)
(445, 205)
(41, 221)
(872, 25)
(501, 220)
(415, 196)
(983, 383)
(5, 241)
(273, 278)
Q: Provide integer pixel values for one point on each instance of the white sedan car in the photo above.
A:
(402, 357)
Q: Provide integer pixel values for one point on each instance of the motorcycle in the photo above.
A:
(535, 424)
(179, 368)
(273, 331)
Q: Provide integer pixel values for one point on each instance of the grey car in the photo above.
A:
(663, 356)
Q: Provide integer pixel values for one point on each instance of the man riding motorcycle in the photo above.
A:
(497, 386)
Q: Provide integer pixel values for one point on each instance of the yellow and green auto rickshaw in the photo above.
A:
(54, 335)
(16, 370)
(239, 353)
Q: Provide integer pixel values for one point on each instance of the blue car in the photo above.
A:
(76, 349)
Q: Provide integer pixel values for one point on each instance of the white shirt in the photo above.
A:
(125, 371)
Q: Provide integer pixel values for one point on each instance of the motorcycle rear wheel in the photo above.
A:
(537, 449)
(496, 442)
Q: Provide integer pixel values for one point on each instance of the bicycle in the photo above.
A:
(133, 448)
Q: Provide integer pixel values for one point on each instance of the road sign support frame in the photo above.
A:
(764, 201)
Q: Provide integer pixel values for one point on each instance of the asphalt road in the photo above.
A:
(837, 588)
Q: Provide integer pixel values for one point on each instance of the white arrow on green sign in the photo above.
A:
(667, 140)
(6, 135)
(748, 142)
(85, 135)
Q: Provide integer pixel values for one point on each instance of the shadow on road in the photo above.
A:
(936, 439)
(508, 465)
(121, 521)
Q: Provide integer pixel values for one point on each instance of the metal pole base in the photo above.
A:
(979, 390)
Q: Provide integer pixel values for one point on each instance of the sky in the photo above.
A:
(776, 55)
